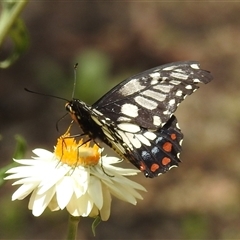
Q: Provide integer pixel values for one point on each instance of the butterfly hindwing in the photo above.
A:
(155, 152)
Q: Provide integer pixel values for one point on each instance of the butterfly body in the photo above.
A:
(136, 118)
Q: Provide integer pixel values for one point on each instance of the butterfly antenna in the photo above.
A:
(43, 94)
(75, 79)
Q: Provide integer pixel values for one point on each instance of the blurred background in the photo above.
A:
(112, 41)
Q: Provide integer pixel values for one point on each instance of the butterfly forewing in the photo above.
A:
(150, 98)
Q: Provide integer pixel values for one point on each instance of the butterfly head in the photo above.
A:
(70, 107)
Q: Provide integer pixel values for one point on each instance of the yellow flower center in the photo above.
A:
(74, 153)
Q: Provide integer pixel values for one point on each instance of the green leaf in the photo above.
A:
(21, 147)
(18, 154)
(11, 26)
(95, 223)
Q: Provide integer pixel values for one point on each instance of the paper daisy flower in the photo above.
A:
(75, 177)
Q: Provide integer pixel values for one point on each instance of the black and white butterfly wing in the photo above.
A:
(150, 98)
(136, 118)
(154, 153)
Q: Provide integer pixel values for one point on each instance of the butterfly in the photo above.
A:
(136, 119)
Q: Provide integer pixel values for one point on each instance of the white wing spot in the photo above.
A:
(196, 80)
(163, 88)
(194, 66)
(172, 167)
(96, 120)
(179, 70)
(125, 139)
(172, 102)
(123, 119)
(169, 68)
(107, 133)
(179, 75)
(155, 76)
(118, 147)
(179, 93)
(157, 120)
(97, 112)
(156, 95)
(175, 82)
(177, 125)
(188, 87)
(131, 87)
(154, 82)
(134, 141)
(150, 135)
(144, 140)
(167, 112)
(146, 103)
(129, 110)
(129, 127)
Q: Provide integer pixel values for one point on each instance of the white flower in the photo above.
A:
(74, 178)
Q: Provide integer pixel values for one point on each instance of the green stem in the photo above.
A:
(6, 22)
(72, 227)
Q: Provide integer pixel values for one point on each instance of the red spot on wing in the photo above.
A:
(154, 167)
(167, 146)
(173, 136)
(142, 167)
(166, 161)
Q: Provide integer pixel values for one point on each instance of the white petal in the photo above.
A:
(95, 212)
(81, 180)
(64, 191)
(85, 205)
(43, 153)
(121, 193)
(95, 191)
(106, 209)
(51, 178)
(127, 182)
(72, 207)
(39, 202)
(110, 160)
(23, 191)
(27, 180)
(53, 204)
